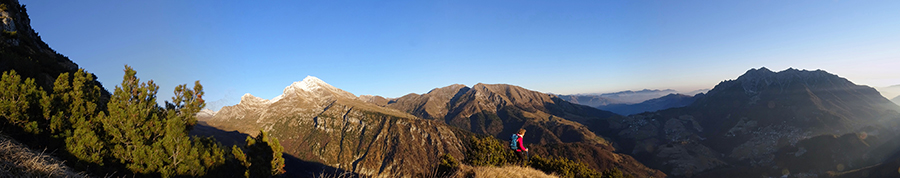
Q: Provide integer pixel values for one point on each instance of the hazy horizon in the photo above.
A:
(395, 48)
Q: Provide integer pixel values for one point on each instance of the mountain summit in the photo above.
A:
(372, 135)
(308, 88)
(320, 123)
(555, 126)
(501, 109)
(829, 103)
(765, 122)
(313, 87)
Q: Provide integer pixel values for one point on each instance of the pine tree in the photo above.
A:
(85, 143)
(72, 109)
(153, 140)
(132, 133)
(187, 157)
(20, 102)
(241, 159)
(56, 106)
(265, 153)
(131, 121)
(209, 156)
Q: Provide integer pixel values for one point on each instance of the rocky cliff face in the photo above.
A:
(317, 122)
(822, 102)
(743, 124)
(17, 29)
(500, 110)
(21, 49)
(372, 135)
(432, 105)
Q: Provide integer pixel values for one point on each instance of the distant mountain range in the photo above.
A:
(500, 110)
(760, 124)
(764, 123)
(622, 97)
(370, 135)
(589, 100)
(665, 102)
(320, 123)
(892, 91)
(633, 102)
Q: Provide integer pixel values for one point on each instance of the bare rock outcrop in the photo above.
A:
(317, 122)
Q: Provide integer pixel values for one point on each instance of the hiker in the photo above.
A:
(516, 144)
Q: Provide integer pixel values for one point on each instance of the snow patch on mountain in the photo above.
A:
(308, 84)
(250, 99)
(206, 113)
(310, 87)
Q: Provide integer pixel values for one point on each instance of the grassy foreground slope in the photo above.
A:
(17, 160)
(505, 171)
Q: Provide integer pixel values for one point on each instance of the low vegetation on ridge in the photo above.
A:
(488, 151)
(132, 132)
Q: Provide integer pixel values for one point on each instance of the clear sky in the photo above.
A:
(391, 48)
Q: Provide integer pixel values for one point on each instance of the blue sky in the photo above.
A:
(391, 48)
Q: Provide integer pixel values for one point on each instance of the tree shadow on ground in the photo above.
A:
(294, 167)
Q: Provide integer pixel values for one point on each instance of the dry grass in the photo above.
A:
(466, 171)
(17, 160)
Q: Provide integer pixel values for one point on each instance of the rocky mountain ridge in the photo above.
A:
(320, 123)
(458, 104)
(22, 50)
(373, 135)
(747, 126)
(554, 125)
(751, 123)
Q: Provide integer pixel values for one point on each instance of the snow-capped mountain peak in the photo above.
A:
(308, 87)
(248, 98)
(308, 84)
(314, 86)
